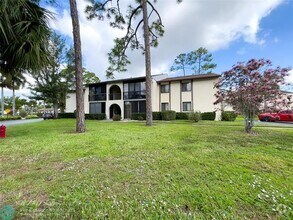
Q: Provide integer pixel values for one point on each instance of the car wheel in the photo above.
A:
(267, 119)
(277, 118)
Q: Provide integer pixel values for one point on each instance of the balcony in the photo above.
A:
(98, 97)
(135, 95)
(115, 96)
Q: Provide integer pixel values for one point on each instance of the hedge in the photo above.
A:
(194, 116)
(208, 116)
(66, 115)
(10, 118)
(142, 116)
(168, 115)
(100, 116)
(138, 116)
(157, 115)
(181, 116)
(228, 116)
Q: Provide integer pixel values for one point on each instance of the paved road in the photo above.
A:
(275, 124)
(18, 122)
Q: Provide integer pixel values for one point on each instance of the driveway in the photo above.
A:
(18, 122)
(274, 124)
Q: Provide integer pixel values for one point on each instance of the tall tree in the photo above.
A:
(181, 62)
(23, 36)
(152, 29)
(49, 85)
(16, 80)
(247, 86)
(3, 84)
(69, 72)
(80, 114)
(201, 61)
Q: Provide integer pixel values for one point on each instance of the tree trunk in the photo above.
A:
(149, 114)
(2, 97)
(2, 101)
(55, 107)
(13, 99)
(80, 116)
(248, 123)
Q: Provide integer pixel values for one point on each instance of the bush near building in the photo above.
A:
(168, 115)
(228, 116)
(208, 116)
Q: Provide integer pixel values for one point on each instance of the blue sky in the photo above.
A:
(276, 31)
(233, 30)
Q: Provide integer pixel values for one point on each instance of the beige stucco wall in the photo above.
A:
(204, 95)
(175, 90)
(86, 101)
(155, 96)
(165, 97)
(70, 102)
(186, 96)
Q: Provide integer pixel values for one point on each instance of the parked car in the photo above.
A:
(285, 115)
(48, 116)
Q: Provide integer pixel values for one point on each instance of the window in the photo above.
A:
(96, 108)
(186, 106)
(164, 106)
(185, 86)
(134, 90)
(97, 92)
(165, 88)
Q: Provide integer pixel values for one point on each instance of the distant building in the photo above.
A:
(127, 96)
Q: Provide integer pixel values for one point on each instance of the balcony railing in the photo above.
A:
(98, 97)
(115, 96)
(135, 95)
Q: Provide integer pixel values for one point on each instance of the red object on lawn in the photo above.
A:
(2, 131)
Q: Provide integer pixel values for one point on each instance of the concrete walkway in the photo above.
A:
(274, 124)
(18, 122)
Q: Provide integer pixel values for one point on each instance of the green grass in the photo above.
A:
(125, 170)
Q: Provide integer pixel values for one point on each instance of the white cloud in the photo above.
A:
(289, 79)
(189, 25)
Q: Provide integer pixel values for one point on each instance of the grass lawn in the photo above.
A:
(125, 170)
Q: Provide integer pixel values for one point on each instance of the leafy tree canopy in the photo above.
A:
(200, 61)
(252, 87)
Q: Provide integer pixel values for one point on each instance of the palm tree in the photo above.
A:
(15, 81)
(24, 35)
(3, 84)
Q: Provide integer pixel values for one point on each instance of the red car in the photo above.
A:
(285, 115)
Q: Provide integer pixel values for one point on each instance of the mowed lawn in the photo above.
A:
(125, 170)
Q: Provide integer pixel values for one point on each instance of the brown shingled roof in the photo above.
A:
(200, 76)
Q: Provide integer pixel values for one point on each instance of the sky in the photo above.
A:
(232, 30)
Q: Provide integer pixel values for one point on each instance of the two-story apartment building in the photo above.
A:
(127, 96)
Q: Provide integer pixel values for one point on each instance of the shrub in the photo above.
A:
(181, 116)
(157, 115)
(116, 118)
(208, 116)
(140, 118)
(31, 117)
(39, 114)
(228, 116)
(137, 116)
(22, 113)
(9, 118)
(66, 115)
(168, 115)
(194, 116)
(99, 116)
